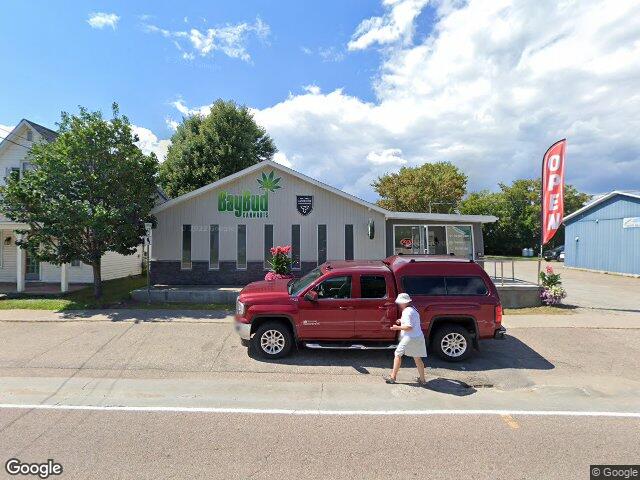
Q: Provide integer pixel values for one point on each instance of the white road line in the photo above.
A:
(276, 411)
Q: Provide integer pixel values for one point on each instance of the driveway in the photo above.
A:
(613, 293)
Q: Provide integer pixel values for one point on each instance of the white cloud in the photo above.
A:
(397, 24)
(101, 20)
(490, 88)
(231, 40)
(148, 142)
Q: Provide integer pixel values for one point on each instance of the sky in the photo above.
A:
(350, 90)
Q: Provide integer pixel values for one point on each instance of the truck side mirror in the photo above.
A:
(311, 295)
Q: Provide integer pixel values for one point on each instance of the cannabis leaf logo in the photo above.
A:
(268, 182)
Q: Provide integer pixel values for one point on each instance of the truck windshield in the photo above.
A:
(296, 286)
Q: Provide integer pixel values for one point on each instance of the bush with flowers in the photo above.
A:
(280, 263)
(552, 291)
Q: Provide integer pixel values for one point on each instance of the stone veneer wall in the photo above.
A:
(166, 272)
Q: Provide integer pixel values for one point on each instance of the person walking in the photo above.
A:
(412, 341)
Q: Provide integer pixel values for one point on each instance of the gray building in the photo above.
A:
(604, 235)
(221, 234)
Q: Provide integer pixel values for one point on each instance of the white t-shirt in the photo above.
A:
(410, 316)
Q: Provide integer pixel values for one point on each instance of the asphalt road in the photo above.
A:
(189, 378)
(92, 445)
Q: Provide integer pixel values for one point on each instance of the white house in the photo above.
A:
(15, 264)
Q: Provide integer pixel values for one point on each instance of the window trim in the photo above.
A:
(246, 260)
(353, 238)
(265, 266)
(422, 234)
(326, 241)
(299, 246)
(190, 267)
(210, 232)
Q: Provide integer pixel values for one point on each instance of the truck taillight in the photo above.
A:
(498, 313)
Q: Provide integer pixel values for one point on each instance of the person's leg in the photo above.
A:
(397, 362)
(420, 367)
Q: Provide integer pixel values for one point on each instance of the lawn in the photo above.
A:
(542, 310)
(115, 294)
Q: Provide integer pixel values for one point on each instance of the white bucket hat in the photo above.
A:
(403, 298)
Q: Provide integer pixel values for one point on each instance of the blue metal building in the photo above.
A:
(604, 235)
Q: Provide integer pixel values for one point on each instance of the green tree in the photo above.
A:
(432, 187)
(517, 207)
(90, 192)
(207, 148)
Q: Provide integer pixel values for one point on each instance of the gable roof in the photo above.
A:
(10, 138)
(258, 166)
(603, 198)
(48, 134)
(317, 183)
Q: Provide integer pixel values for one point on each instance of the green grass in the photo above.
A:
(115, 294)
(500, 257)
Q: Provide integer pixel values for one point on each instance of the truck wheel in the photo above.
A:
(272, 340)
(452, 343)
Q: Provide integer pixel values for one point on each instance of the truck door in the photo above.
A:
(375, 309)
(331, 316)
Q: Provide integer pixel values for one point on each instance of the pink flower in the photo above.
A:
(549, 269)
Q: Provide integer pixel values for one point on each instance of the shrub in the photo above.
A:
(552, 291)
(280, 263)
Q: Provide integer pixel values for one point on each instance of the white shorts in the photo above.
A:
(411, 347)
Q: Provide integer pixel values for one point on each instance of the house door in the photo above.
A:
(33, 268)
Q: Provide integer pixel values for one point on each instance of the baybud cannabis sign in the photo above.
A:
(248, 204)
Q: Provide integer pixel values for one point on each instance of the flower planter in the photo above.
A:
(270, 276)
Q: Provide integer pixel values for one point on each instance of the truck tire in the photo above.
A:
(452, 343)
(272, 340)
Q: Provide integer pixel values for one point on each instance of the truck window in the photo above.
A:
(334, 287)
(466, 286)
(424, 285)
(373, 286)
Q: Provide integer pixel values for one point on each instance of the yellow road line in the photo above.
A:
(509, 420)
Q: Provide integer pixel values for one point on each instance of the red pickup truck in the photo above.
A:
(350, 305)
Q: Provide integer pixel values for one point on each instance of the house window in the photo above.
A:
(214, 247)
(29, 136)
(268, 245)
(75, 263)
(322, 244)
(295, 247)
(186, 247)
(241, 248)
(348, 242)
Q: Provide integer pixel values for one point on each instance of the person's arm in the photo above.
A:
(405, 323)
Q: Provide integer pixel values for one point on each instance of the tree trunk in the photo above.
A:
(97, 279)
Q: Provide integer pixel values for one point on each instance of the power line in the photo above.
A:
(19, 136)
(15, 143)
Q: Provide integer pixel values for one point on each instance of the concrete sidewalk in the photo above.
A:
(118, 315)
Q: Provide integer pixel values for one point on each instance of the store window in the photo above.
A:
(407, 239)
(241, 248)
(186, 247)
(348, 242)
(268, 245)
(459, 240)
(214, 247)
(436, 240)
(322, 244)
(295, 247)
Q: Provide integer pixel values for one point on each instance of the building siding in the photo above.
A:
(334, 211)
(602, 242)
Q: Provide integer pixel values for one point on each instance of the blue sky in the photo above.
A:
(350, 90)
(60, 61)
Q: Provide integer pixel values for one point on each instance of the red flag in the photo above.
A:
(553, 190)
